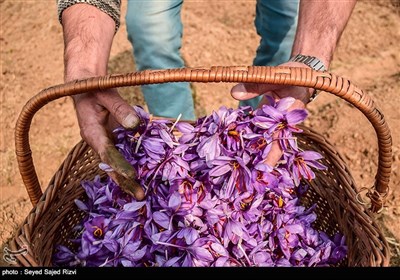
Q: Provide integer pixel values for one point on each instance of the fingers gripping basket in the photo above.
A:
(54, 213)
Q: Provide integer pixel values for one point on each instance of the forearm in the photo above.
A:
(88, 35)
(320, 26)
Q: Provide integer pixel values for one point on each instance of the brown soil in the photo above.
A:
(216, 33)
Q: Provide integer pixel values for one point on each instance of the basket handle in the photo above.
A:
(295, 76)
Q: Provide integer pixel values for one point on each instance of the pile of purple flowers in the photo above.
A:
(211, 200)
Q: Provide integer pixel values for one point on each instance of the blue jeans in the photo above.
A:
(155, 31)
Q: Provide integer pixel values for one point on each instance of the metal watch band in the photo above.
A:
(310, 61)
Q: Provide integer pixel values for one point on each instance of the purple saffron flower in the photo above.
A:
(235, 171)
(210, 198)
(277, 120)
(339, 252)
(300, 163)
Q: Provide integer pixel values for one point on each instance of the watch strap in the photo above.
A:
(310, 61)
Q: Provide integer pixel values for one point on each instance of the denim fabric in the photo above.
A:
(276, 23)
(155, 31)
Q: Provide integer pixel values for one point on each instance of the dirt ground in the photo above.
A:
(216, 33)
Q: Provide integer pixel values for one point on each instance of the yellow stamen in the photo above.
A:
(98, 232)
(233, 133)
(235, 164)
(280, 202)
(281, 126)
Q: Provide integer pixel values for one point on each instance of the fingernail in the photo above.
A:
(130, 121)
(139, 194)
(239, 90)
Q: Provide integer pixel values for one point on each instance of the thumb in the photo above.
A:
(122, 172)
(122, 112)
(244, 91)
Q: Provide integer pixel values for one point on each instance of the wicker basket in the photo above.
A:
(54, 213)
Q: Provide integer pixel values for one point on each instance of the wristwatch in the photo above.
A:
(312, 62)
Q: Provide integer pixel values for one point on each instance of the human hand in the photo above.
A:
(98, 114)
(244, 91)
(88, 36)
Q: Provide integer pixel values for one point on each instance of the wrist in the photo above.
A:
(81, 73)
(323, 53)
(83, 62)
(78, 73)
